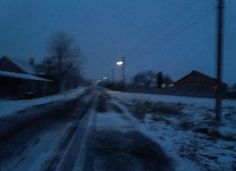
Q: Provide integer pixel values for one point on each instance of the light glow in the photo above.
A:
(119, 63)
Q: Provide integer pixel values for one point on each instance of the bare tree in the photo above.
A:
(144, 78)
(64, 60)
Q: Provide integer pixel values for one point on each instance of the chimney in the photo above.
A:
(31, 61)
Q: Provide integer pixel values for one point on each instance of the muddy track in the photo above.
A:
(114, 148)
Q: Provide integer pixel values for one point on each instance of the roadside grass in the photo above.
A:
(139, 108)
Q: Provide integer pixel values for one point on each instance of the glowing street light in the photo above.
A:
(119, 63)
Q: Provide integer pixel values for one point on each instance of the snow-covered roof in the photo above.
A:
(22, 76)
(23, 65)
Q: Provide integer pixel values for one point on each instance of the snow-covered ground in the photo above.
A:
(37, 149)
(125, 131)
(8, 107)
(185, 128)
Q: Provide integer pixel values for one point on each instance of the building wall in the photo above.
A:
(18, 88)
(9, 87)
(196, 85)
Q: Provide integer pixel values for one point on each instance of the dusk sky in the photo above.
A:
(173, 36)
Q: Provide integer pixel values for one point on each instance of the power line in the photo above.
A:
(188, 23)
(171, 36)
(189, 5)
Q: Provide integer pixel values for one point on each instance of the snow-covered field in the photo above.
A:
(206, 102)
(8, 107)
(185, 128)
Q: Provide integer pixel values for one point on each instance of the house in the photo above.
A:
(198, 81)
(18, 79)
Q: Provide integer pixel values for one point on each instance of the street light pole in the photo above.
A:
(122, 63)
(123, 71)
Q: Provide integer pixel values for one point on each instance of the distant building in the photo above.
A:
(198, 81)
(18, 79)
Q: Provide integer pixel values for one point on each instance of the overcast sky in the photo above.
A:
(173, 36)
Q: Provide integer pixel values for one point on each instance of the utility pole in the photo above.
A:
(219, 58)
(112, 75)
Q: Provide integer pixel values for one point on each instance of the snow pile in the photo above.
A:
(12, 106)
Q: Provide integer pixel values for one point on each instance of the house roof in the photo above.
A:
(196, 76)
(21, 76)
(25, 66)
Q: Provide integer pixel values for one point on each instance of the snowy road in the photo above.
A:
(96, 135)
(34, 145)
